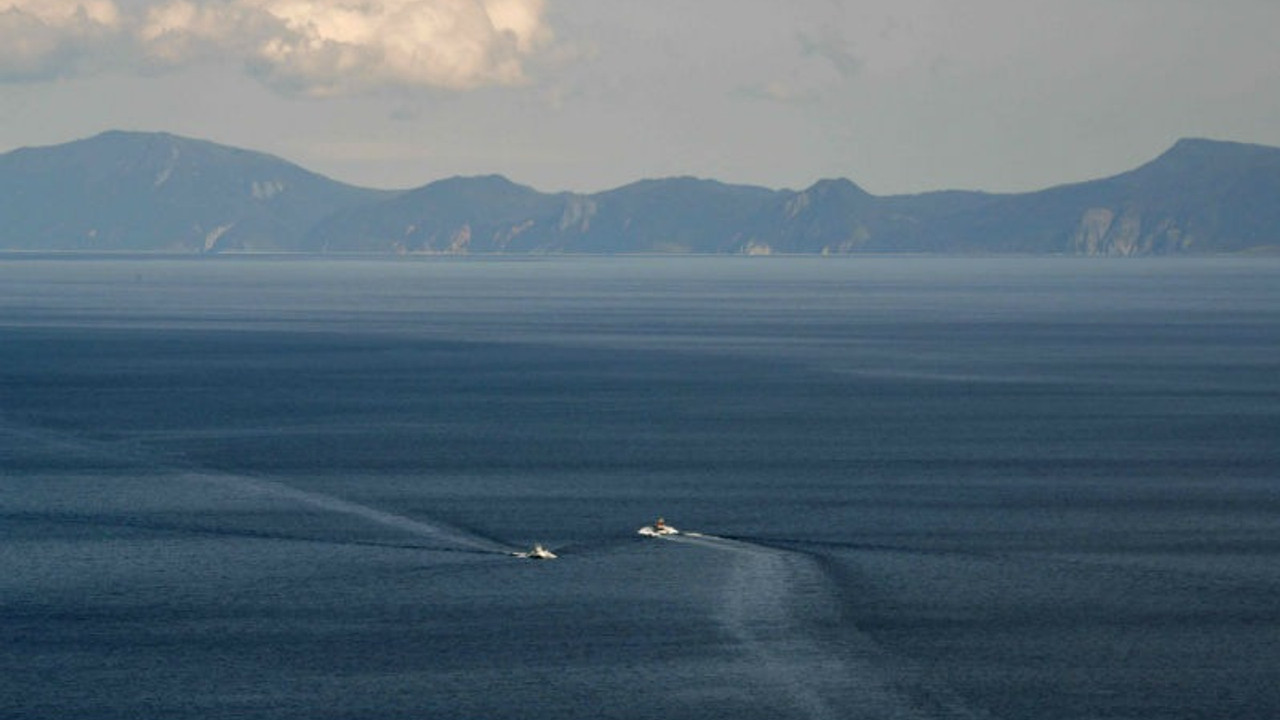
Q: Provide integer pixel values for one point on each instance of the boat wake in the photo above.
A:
(29, 438)
(437, 531)
(783, 611)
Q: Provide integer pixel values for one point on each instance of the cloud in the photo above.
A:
(791, 91)
(183, 31)
(325, 47)
(43, 39)
(824, 61)
(832, 47)
(309, 47)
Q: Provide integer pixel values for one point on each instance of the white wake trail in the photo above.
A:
(441, 532)
(777, 605)
(78, 446)
(757, 612)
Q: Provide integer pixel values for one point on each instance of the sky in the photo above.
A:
(900, 96)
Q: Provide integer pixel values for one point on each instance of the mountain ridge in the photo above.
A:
(158, 192)
(155, 191)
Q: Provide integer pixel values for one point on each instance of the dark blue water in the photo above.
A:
(928, 488)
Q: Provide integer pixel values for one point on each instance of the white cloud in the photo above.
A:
(325, 47)
(183, 31)
(311, 47)
(522, 19)
(40, 39)
(67, 12)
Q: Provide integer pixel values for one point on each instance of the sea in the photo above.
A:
(907, 488)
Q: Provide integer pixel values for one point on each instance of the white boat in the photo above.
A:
(658, 529)
(537, 553)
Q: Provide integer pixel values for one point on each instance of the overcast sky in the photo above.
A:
(897, 95)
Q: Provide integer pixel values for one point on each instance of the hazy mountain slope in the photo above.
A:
(153, 191)
(492, 214)
(669, 215)
(1200, 196)
(831, 217)
(459, 215)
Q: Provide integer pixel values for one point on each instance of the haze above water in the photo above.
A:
(927, 488)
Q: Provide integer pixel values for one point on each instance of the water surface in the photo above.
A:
(928, 488)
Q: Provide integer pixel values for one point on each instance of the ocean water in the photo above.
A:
(914, 487)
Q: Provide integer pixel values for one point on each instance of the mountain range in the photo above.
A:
(156, 192)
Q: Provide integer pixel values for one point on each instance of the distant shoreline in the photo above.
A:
(148, 256)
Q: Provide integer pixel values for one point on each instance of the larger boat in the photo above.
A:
(658, 529)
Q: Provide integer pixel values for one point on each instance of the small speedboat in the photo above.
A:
(658, 529)
(537, 553)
